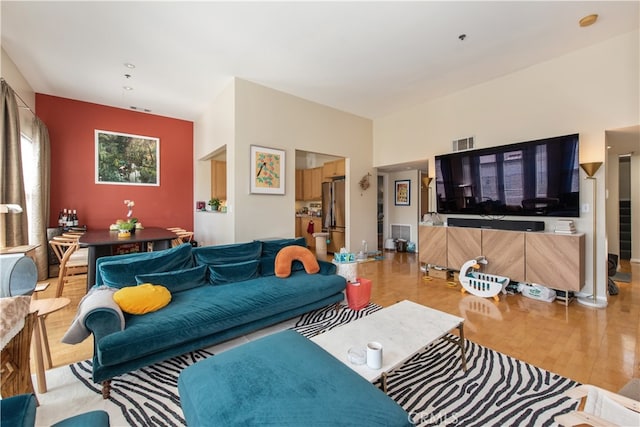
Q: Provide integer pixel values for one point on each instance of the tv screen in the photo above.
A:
(534, 178)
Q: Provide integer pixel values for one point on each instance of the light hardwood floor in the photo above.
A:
(595, 346)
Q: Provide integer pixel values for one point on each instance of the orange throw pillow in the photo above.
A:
(288, 254)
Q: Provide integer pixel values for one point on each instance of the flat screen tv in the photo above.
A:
(534, 178)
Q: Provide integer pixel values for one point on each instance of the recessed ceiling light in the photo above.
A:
(129, 65)
(127, 88)
(588, 20)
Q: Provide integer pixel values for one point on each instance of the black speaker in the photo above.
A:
(497, 224)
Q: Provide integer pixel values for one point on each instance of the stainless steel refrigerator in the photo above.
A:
(333, 210)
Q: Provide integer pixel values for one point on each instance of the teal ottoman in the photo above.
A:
(282, 380)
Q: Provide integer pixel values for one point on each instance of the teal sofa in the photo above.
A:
(218, 293)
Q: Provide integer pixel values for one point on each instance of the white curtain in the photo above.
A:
(40, 195)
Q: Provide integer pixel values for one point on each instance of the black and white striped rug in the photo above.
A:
(496, 389)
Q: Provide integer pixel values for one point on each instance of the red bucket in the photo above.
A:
(358, 293)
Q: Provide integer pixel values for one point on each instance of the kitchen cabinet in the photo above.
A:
(219, 179)
(333, 169)
(304, 226)
(298, 227)
(299, 184)
(312, 184)
(316, 183)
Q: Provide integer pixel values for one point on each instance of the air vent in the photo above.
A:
(401, 231)
(463, 144)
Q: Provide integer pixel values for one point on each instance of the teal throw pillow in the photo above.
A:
(227, 254)
(230, 273)
(121, 270)
(270, 249)
(177, 281)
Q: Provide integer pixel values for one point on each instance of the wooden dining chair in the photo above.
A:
(72, 262)
(79, 253)
(183, 236)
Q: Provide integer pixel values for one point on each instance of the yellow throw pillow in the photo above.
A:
(142, 299)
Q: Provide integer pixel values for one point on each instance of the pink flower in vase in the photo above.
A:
(130, 204)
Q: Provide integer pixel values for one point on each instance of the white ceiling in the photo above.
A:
(367, 58)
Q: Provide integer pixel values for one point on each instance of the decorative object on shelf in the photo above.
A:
(481, 284)
(200, 205)
(267, 170)
(214, 203)
(592, 300)
(403, 192)
(142, 154)
(364, 182)
(565, 226)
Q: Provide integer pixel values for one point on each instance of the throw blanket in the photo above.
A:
(97, 297)
(14, 310)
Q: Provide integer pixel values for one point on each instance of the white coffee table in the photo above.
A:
(403, 329)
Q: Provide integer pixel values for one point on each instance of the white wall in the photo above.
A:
(214, 130)
(587, 91)
(275, 119)
(250, 114)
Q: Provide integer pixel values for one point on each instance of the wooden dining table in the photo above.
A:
(102, 242)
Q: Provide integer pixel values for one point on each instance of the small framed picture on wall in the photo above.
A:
(403, 192)
(267, 170)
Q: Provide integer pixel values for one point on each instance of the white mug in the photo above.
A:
(374, 355)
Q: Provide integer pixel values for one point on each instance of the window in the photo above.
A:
(29, 176)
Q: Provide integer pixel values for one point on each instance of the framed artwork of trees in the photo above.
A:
(125, 159)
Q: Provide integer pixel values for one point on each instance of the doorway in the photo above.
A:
(624, 211)
(623, 192)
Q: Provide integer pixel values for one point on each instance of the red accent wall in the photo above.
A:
(72, 126)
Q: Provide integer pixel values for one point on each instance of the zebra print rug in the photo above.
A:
(496, 390)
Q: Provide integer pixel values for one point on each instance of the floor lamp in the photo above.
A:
(592, 300)
(426, 182)
(434, 218)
